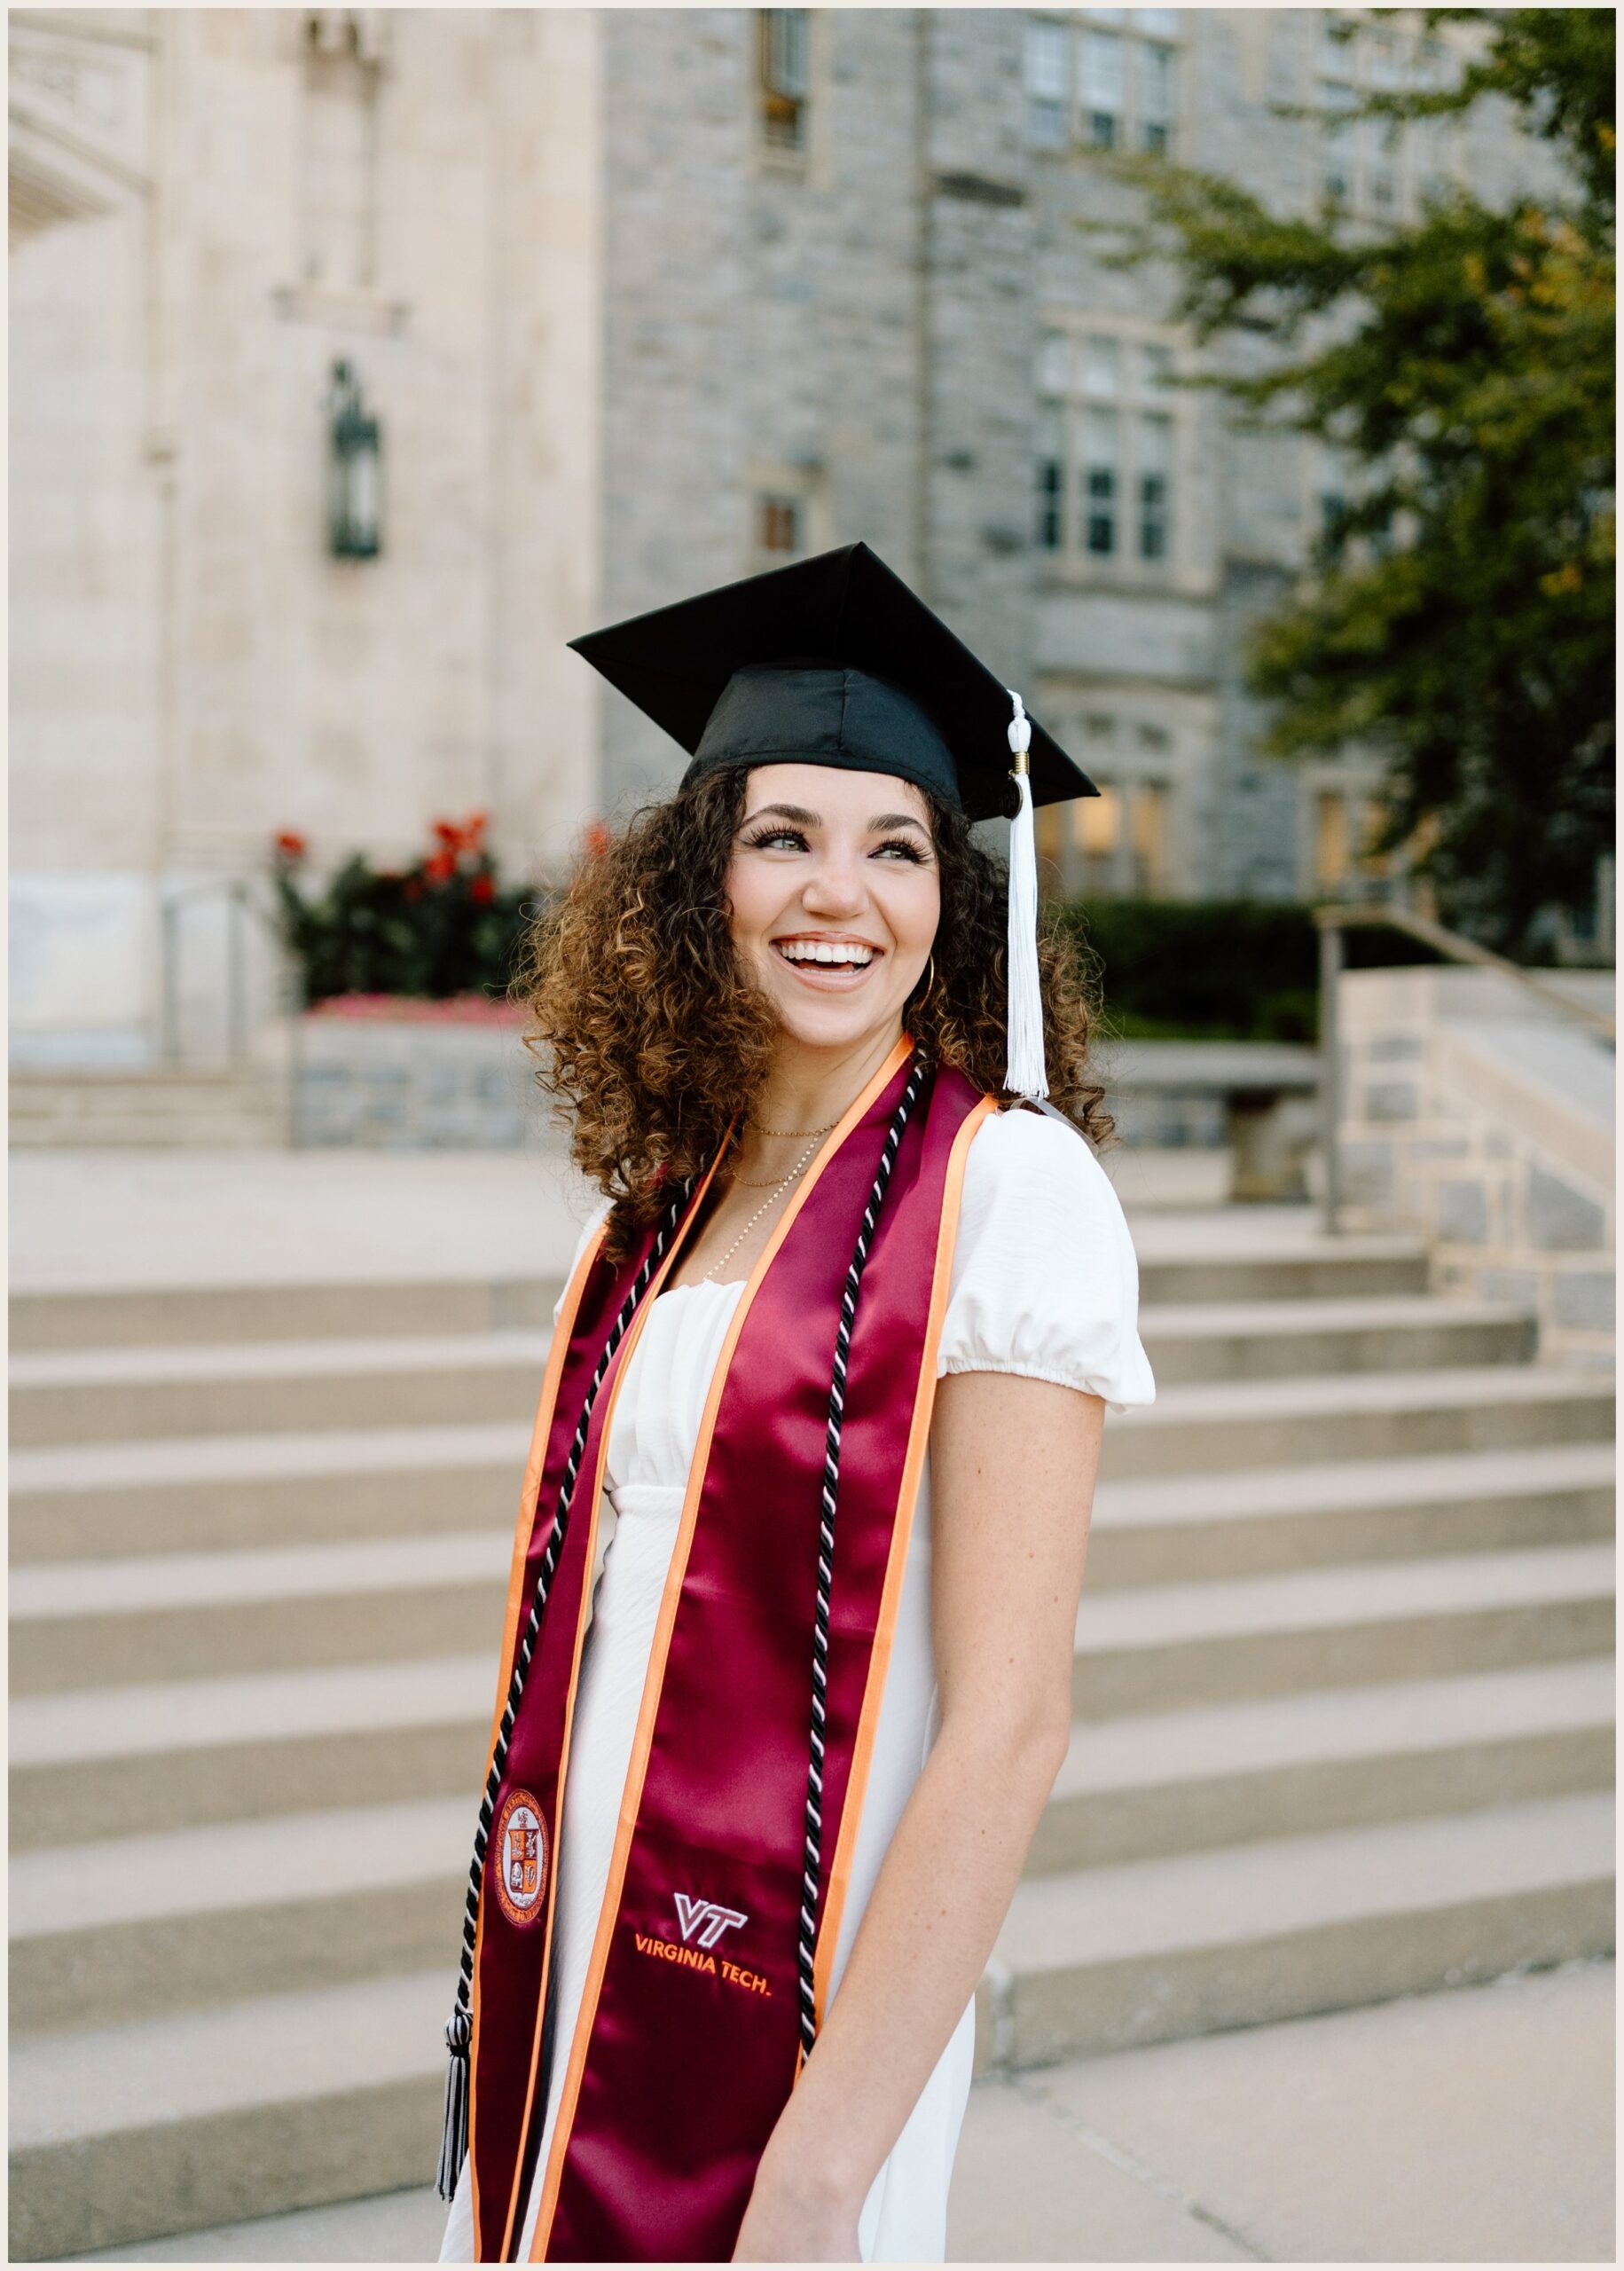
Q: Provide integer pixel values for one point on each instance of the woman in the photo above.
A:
(787, 1672)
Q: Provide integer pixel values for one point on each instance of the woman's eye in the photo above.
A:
(773, 837)
(904, 850)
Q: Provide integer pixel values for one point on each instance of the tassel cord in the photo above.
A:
(808, 1943)
(459, 2027)
(1025, 1073)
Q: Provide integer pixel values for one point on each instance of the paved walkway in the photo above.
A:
(1474, 2127)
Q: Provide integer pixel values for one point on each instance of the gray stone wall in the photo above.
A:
(406, 1086)
(1460, 1119)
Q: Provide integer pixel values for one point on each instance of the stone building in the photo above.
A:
(628, 301)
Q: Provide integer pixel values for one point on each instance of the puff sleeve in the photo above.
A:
(1045, 1280)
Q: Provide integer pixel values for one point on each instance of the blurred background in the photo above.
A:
(1239, 383)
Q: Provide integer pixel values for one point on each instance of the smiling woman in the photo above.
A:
(786, 1670)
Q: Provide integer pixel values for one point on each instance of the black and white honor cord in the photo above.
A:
(459, 2026)
(808, 1947)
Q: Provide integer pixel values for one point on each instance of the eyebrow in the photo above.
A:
(803, 818)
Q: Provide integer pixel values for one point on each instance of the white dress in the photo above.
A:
(1044, 1283)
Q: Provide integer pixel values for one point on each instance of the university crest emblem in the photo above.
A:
(521, 1857)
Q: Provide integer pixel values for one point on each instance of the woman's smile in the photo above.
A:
(833, 961)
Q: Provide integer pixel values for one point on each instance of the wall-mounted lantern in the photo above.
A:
(355, 473)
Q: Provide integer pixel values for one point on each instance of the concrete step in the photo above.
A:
(117, 1762)
(1171, 1647)
(71, 1397)
(1257, 1520)
(199, 1494)
(1098, 1960)
(1352, 1416)
(80, 1396)
(1243, 1253)
(1271, 1339)
(76, 1625)
(147, 1316)
(94, 1763)
(1168, 1782)
(170, 2124)
(223, 1107)
(108, 1502)
(270, 1607)
(133, 1927)
(136, 1927)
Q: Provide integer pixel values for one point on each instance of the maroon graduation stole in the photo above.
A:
(710, 1967)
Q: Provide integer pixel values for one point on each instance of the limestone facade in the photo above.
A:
(642, 300)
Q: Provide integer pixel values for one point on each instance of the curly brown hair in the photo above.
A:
(648, 1035)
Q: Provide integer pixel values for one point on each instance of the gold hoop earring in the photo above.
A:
(929, 975)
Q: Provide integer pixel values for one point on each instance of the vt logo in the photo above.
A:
(705, 1918)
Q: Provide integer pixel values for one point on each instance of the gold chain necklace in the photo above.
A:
(794, 1133)
(776, 1192)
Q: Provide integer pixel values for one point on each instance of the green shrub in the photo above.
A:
(1217, 970)
(444, 926)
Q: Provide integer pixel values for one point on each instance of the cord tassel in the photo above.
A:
(454, 2141)
(1024, 1074)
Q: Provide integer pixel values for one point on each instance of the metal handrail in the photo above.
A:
(1333, 921)
(239, 895)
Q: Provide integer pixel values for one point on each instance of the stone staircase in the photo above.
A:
(158, 1107)
(1343, 1687)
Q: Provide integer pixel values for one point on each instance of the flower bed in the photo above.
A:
(420, 1009)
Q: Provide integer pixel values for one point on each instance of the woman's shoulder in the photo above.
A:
(1045, 1279)
(1034, 1161)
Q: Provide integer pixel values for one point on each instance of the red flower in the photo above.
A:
(441, 868)
(598, 837)
(474, 829)
(449, 833)
(482, 890)
(290, 844)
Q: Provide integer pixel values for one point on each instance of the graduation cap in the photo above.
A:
(834, 661)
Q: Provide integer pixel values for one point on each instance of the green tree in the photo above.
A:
(1458, 614)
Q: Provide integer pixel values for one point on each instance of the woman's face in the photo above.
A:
(835, 895)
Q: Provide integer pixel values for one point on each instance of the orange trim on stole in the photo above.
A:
(582, 1618)
(654, 1680)
(535, 1460)
(919, 1435)
(568, 1310)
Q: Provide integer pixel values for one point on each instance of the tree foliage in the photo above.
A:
(1458, 613)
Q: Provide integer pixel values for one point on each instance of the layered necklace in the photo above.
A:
(774, 1189)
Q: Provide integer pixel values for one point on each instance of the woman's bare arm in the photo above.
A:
(1012, 1469)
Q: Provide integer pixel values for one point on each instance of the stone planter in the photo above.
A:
(405, 1082)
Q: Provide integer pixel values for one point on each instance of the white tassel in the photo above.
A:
(1024, 1075)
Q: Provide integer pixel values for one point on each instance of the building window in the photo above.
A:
(779, 525)
(1156, 98)
(1107, 437)
(1331, 840)
(1106, 78)
(1051, 518)
(1148, 840)
(786, 76)
(1155, 469)
(1380, 166)
(1102, 449)
(1048, 84)
(1097, 833)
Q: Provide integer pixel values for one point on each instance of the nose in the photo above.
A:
(836, 889)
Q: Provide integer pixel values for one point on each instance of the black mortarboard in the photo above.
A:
(832, 661)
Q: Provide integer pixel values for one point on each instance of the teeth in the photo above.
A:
(814, 950)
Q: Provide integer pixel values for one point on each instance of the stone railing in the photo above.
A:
(1483, 1117)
